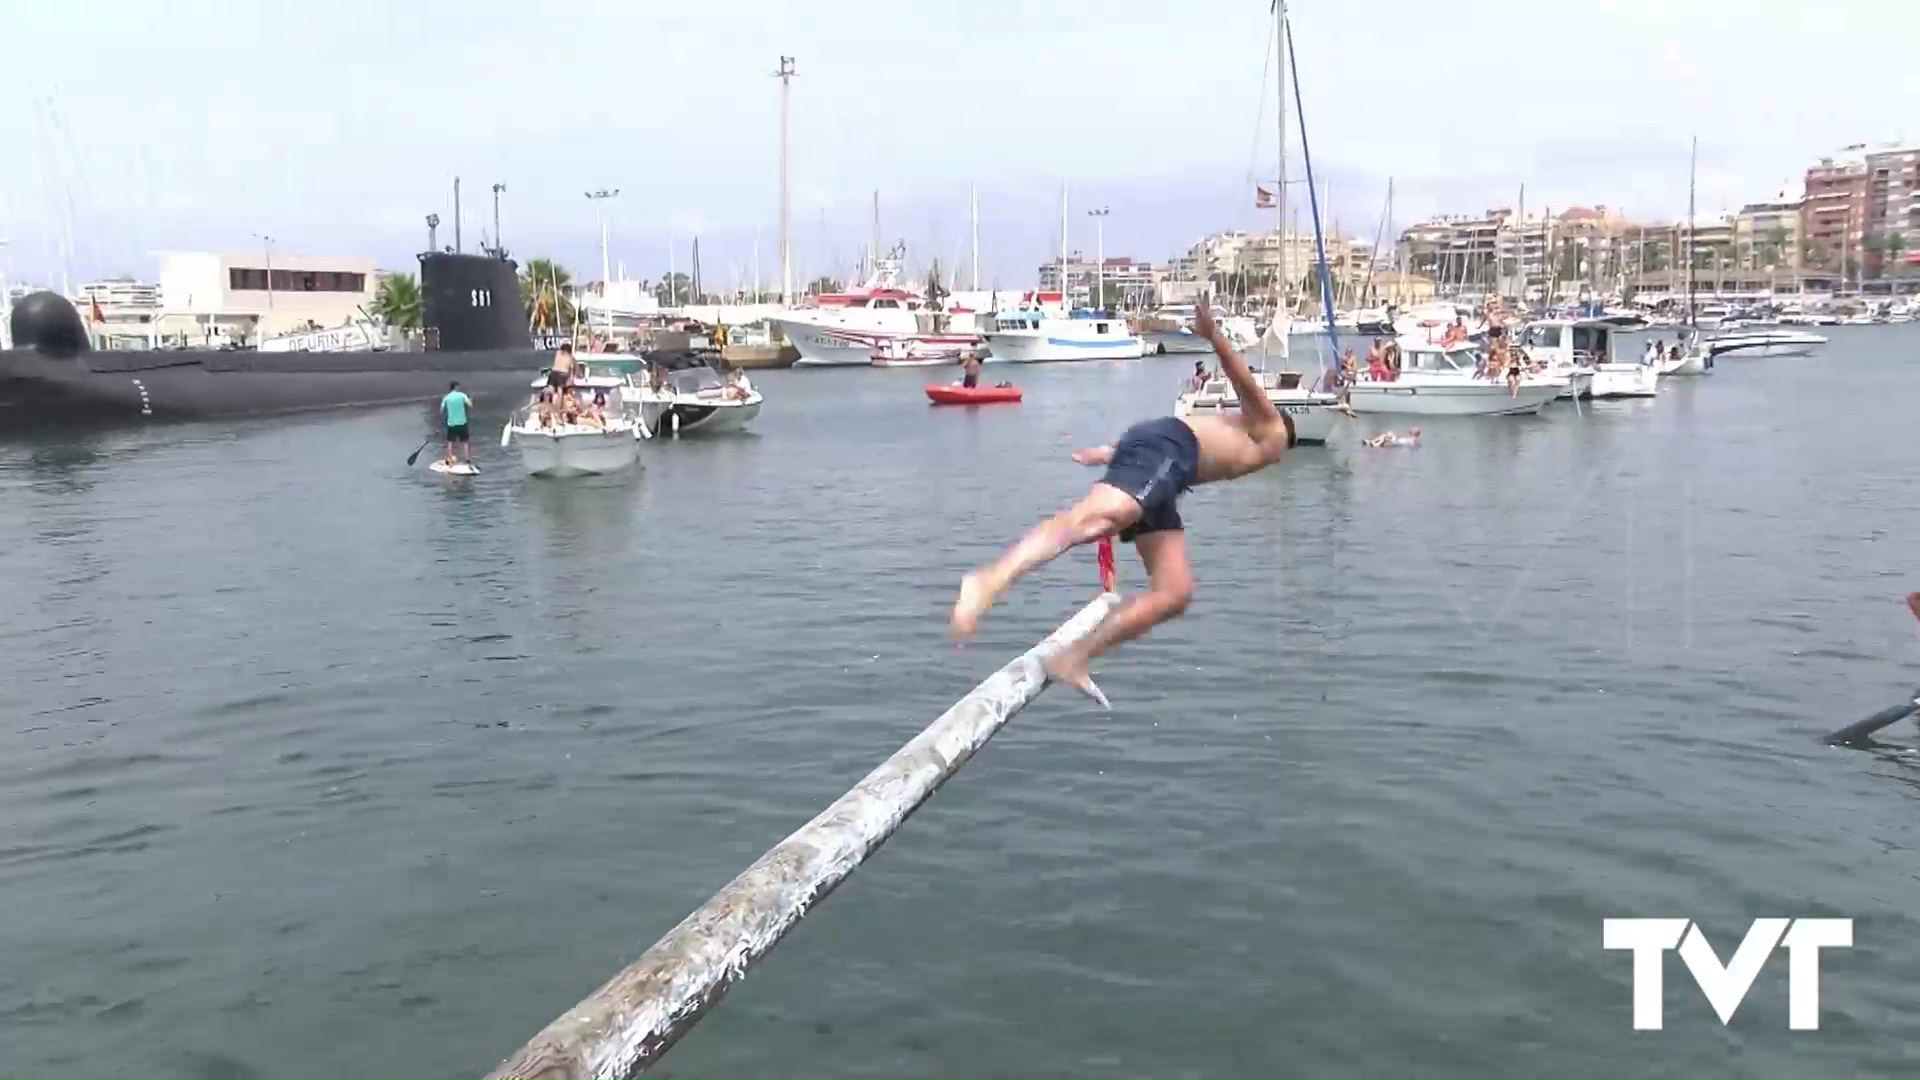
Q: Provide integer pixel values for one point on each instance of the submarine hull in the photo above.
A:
(471, 317)
(108, 388)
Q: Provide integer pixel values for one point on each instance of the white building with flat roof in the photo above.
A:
(277, 291)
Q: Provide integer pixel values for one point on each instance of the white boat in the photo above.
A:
(561, 450)
(1440, 380)
(1762, 343)
(1693, 361)
(922, 350)
(1313, 413)
(1587, 345)
(1169, 329)
(1547, 342)
(1034, 336)
(691, 395)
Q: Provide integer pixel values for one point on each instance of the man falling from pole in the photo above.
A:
(1147, 469)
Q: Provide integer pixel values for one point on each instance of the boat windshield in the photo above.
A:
(694, 380)
(1543, 337)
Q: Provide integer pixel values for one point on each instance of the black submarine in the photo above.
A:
(474, 330)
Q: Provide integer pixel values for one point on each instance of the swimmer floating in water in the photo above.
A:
(1388, 438)
(1147, 469)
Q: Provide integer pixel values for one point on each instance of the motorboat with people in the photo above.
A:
(1584, 347)
(1313, 412)
(1437, 379)
(682, 391)
(585, 428)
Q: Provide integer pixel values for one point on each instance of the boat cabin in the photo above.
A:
(1434, 358)
(1568, 342)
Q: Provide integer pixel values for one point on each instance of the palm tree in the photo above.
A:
(546, 290)
(397, 301)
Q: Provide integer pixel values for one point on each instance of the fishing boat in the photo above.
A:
(550, 447)
(1579, 349)
(1035, 337)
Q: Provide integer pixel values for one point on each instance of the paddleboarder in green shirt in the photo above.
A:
(454, 408)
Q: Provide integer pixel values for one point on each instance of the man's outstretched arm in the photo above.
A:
(1256, 409)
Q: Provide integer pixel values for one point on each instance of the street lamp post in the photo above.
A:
(499, 249)
(1099, 217)
(268, 242)
(598, 198)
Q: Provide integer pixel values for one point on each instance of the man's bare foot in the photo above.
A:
(1069, 667)
(972, 603)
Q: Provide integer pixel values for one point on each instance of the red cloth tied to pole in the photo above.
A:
(1106, 563)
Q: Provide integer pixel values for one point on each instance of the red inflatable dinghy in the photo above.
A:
(955, 394)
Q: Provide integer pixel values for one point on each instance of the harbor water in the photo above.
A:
(315, 764)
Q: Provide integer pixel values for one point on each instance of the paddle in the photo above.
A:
(415, 456)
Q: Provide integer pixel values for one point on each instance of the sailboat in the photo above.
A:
(1696, 358)
(1312, 412)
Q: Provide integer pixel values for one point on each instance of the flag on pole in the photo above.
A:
(94, 301)
(1262, 198)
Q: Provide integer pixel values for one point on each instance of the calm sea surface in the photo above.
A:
(315, 764)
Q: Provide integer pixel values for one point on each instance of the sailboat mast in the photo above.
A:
(973, 206)
(1063, 249)
(1693, 172)
(1280, 118)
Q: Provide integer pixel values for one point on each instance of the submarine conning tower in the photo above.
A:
(50, 325)
(471, 303)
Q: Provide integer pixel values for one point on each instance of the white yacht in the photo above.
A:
(1442, 380)
(560, 449)
(1313, 412)
(1033, 336)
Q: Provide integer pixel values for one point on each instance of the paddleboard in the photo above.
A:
(458, 468)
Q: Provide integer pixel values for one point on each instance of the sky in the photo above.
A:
(335, 128)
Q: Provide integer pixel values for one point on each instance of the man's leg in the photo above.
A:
(1105, 509)
(1169, 589)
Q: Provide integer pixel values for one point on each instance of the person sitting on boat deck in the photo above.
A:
(569, 409)
(453, 408)
(1377, 369)
(595, 414)
(970, 369)
(1148, 468)
(656, 378)
(1388, 438)
(1376, 350)
(738, 387)
(1197, 381)
(1456, 332)
(561, 373)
